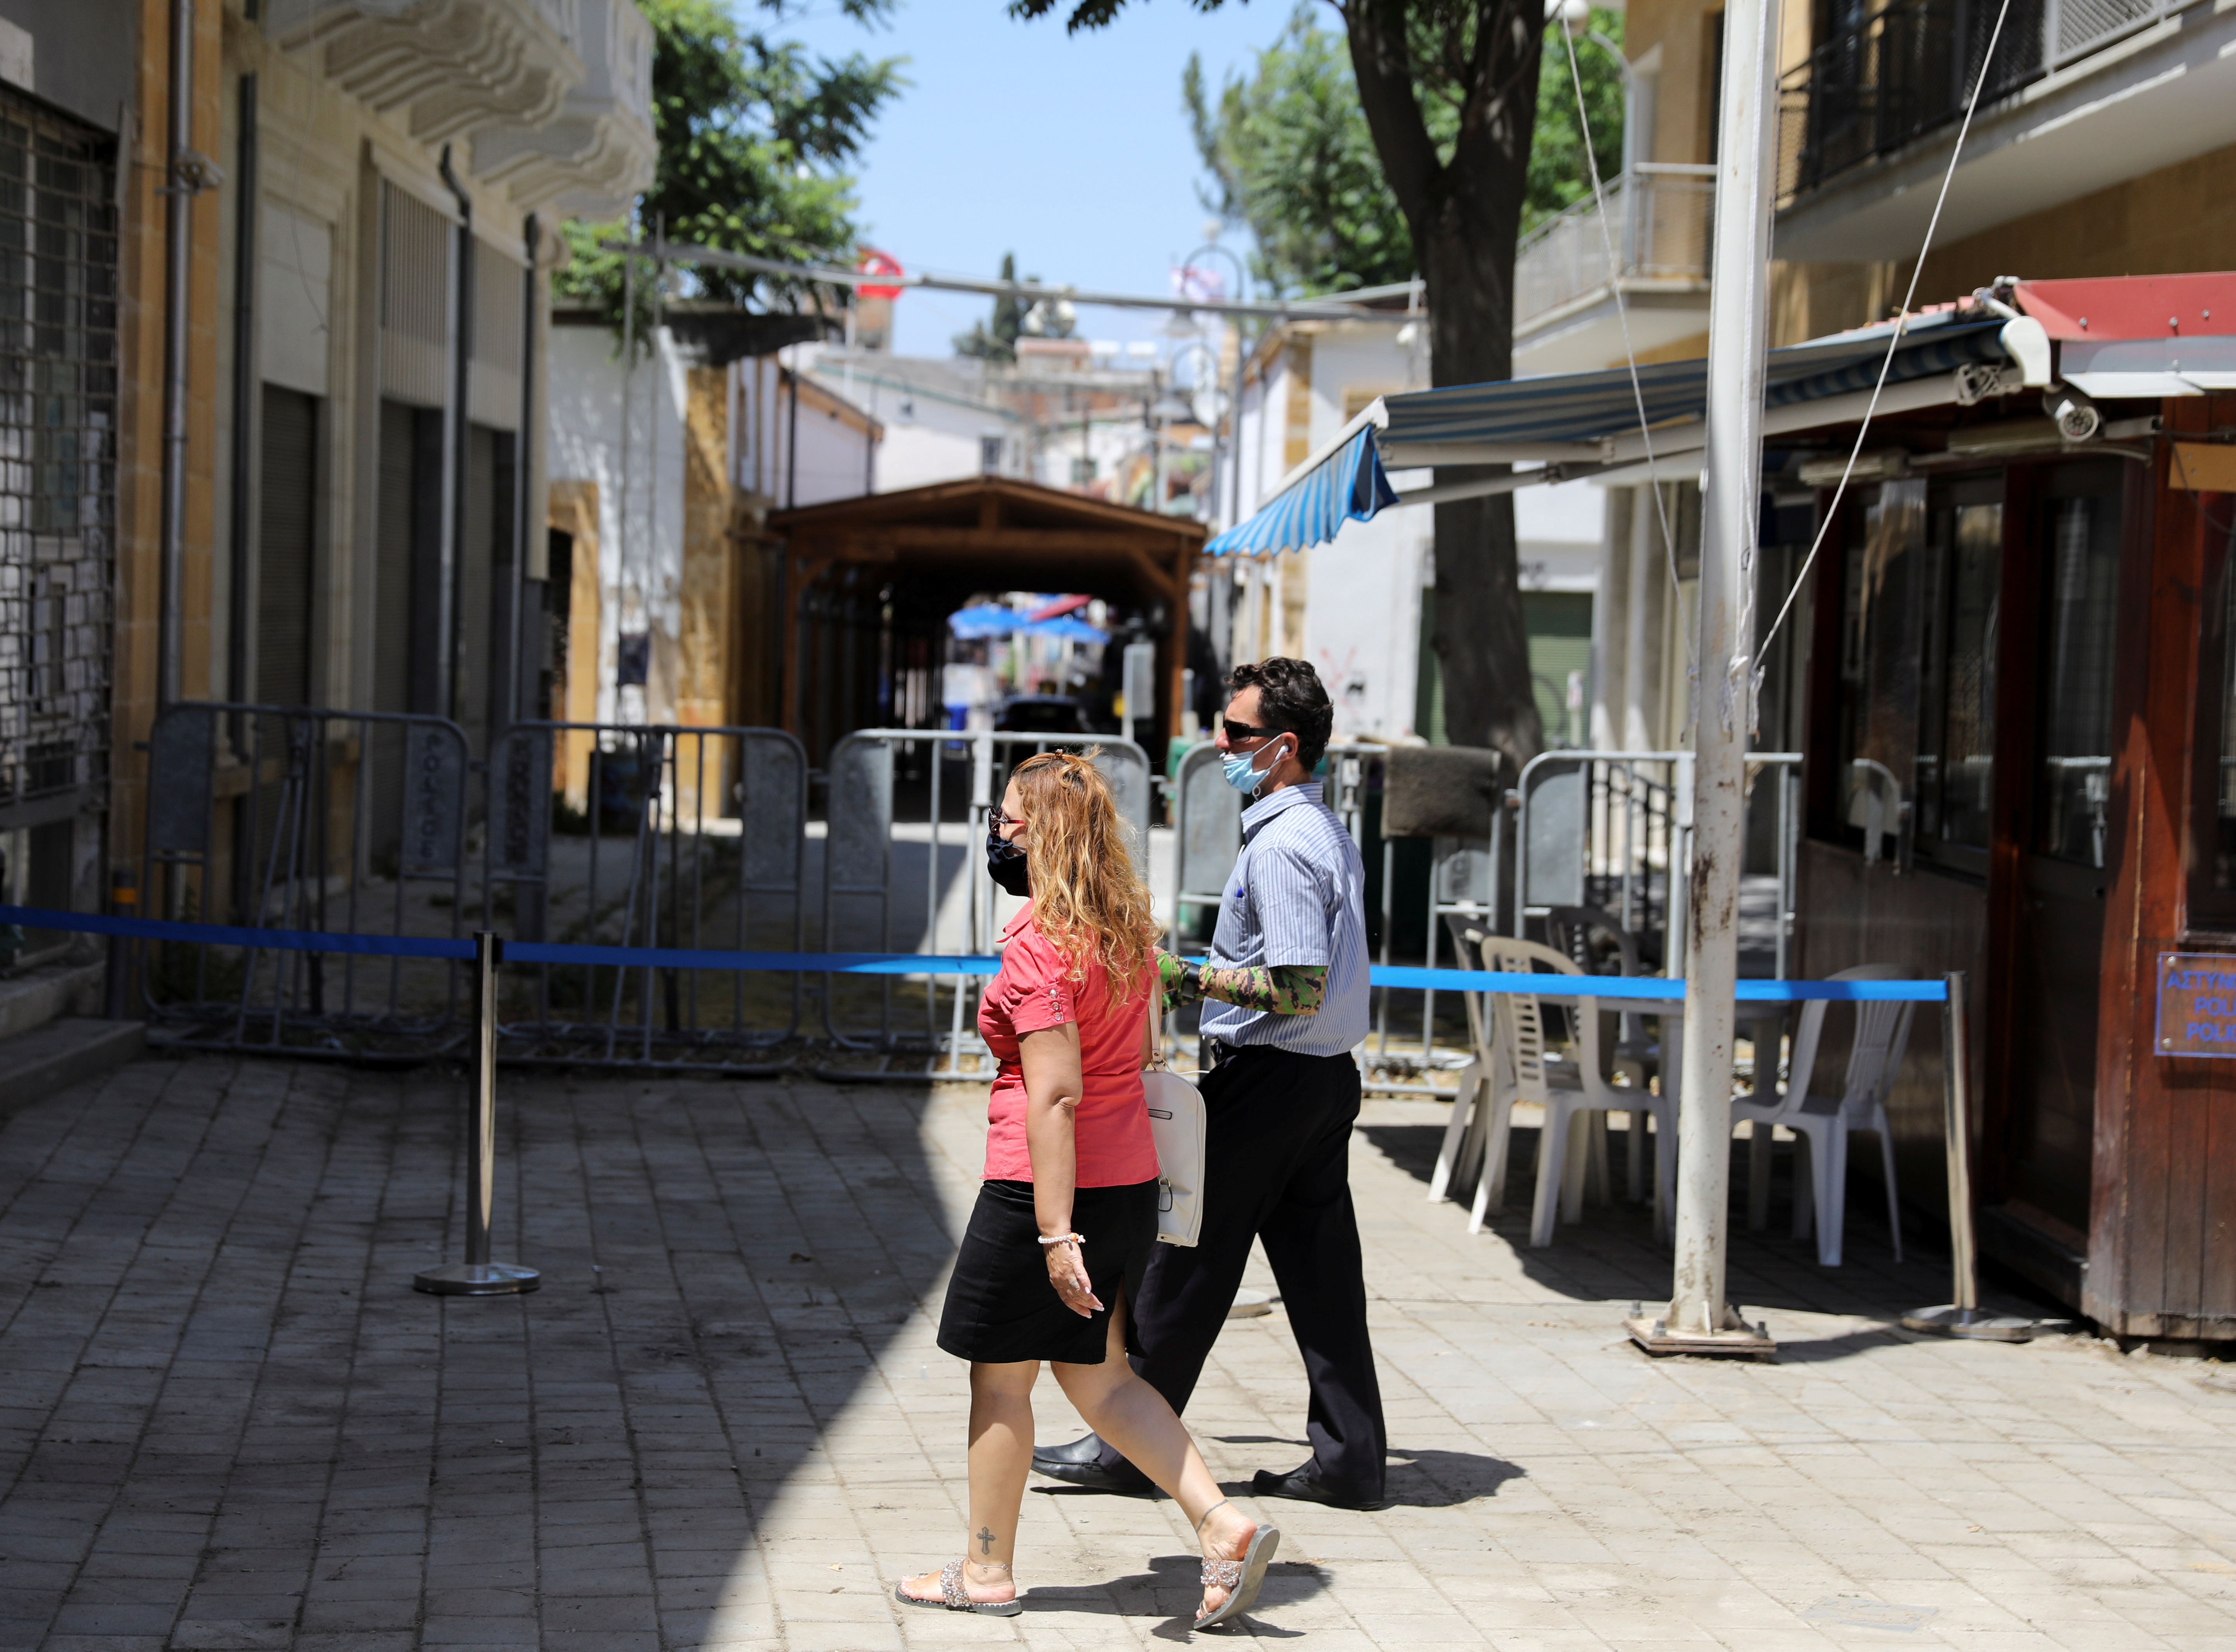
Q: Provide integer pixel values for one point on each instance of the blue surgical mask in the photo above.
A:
(1242, 769)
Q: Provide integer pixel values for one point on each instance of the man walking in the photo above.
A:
(1288, 976)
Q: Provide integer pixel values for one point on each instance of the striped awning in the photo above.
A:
(1567, 418)
(1349, 486)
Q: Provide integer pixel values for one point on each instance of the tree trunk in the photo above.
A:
(1482, 643)
(1465, 215)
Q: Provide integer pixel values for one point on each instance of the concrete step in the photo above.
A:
(34, 1065)
(47, 992)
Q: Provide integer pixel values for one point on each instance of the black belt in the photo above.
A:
(1218, 1052)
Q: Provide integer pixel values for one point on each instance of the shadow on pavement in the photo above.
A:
(1435, 1479)
(1612, 1254)
(328, 1457)
(1170, 1590)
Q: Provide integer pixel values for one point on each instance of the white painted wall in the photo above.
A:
(639, 507)
(1561, 532)
(930, 435)
(1363, 591)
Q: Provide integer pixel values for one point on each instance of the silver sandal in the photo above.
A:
(1239, 1579)
(954, 1597)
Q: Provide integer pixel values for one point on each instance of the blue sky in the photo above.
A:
(1071, 151)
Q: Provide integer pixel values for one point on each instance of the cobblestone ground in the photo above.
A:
(229, 1423)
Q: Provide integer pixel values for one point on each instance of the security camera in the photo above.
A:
(2077, 417)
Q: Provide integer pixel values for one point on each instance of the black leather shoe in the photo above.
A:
(1081, 1464)
(1304, 1485)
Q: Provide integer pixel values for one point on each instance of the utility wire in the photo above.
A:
(1622, 319)
(1902, 320)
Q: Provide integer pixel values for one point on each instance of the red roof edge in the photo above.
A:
(2133, 306)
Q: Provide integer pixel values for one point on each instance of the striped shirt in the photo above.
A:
(1296, 895)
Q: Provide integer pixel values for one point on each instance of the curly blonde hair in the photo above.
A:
(1088, 899)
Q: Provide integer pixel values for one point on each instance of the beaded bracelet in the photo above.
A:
(1065, 1239)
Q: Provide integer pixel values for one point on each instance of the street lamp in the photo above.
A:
(1574, 18)
(1235, 401)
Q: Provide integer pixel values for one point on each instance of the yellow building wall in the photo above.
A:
(2180, 218)
(1684, 112)
(702, 676)
(144, 163)
(574, 509)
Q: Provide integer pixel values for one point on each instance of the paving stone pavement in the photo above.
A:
(227, 1422)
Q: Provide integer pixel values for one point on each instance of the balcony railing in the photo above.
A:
(1890, 77)
(1659, 217)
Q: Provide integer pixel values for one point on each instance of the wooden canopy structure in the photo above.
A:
(931, 549)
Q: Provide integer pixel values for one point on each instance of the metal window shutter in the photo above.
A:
(391, 663)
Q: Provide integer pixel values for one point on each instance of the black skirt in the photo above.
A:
(1000, 1306)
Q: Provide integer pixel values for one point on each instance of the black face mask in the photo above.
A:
(1005, 863)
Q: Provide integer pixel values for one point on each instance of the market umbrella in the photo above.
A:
(984, 620)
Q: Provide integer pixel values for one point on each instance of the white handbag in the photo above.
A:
(1178, 1125)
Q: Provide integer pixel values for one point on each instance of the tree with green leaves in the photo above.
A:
(755, 134)
(1290, 156)
(1448, 91)
(996, 340)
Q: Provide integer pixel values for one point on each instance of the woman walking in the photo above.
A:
(1067, 1211)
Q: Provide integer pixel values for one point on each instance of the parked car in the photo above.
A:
(1043, 715)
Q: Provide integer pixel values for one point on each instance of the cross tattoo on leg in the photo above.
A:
(985, 1540)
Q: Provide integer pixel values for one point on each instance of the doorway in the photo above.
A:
(2063, 844)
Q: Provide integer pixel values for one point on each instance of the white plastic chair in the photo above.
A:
(1464, 1132)
(1518, 1067)
(1637, 1054)
(1823, 1123)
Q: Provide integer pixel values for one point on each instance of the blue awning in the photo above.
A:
(1565, 418)
(1350, 486)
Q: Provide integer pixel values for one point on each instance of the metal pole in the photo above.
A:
(478, 1275)
(1956, 1088)
(183, 183)
(1963, 1317)
(457, 445)
(1698, 1317)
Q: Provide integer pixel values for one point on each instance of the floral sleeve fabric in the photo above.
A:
(1280, 988)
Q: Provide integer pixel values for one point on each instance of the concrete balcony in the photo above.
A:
(1653, 249)
(454, 66)
(598, 152)
(2083, 95)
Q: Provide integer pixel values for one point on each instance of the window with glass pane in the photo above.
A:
(2221, 857)
(2073, 779)
(1955, 740)
(1879, 660)
(1917, 666)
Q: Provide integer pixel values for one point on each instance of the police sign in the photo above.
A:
(2197, 1003)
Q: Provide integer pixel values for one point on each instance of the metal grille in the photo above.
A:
(57, 457)
(415, 299)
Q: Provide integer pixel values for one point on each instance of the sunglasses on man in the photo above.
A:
(1251, 731)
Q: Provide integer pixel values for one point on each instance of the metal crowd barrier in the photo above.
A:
(660, 836)
(906, 815)
(691, 840)
(287, 817)
(1613, 831)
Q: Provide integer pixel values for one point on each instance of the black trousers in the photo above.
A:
(1277, 1166)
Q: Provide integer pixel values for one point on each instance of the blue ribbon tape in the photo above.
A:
(1606, 987)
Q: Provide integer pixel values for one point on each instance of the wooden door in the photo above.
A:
(2074, 559)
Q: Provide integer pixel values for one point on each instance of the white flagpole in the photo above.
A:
(1698, 1317)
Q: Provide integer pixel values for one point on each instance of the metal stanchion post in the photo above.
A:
(478, 1275)
(1963, 1317)
(116, 986)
